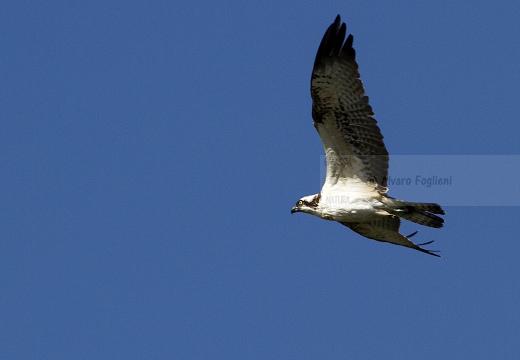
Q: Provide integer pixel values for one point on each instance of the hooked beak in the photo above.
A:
(294, 209)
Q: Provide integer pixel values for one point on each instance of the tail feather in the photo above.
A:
(420, 213)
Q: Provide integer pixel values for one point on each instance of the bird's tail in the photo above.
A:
(420, 213)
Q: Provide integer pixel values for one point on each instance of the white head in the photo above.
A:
(308, 204)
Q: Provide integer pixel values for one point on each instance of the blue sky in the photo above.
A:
(151, 152)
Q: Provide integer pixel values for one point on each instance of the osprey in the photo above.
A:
(354, 192)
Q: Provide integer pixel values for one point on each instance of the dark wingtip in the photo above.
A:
(348, 51)
(412, 234)
(429, 252)
(332, 41)
(426, 243)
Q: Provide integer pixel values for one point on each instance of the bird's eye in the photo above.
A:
(300, 202)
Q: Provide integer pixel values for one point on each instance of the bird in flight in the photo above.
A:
(354, 192)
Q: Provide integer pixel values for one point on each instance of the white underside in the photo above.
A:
(349, 208)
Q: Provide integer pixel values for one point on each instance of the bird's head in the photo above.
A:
(307, 204)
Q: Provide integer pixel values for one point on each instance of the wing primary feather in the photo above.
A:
(425, 243)
(338, 41)
(332, 41)
(413, 234)
(347, 50)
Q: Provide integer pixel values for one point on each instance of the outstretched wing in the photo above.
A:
(386, 229)
(354, 148)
